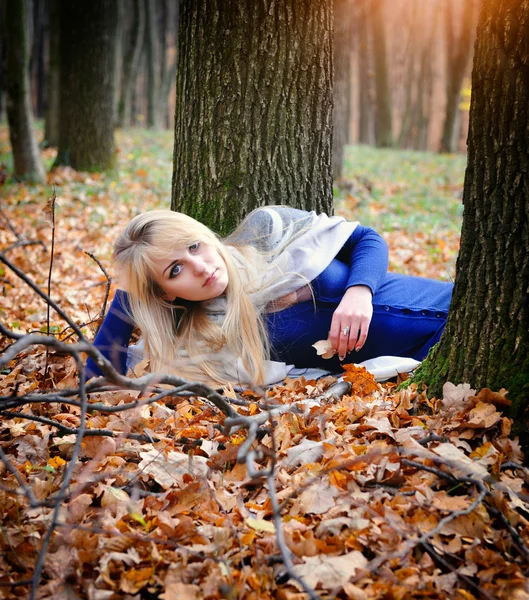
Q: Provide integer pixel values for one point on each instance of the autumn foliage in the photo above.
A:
(371, 494)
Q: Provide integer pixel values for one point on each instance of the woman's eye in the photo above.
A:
(175, 270)
(194, 247)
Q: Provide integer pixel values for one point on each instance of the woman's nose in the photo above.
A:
(199, 266)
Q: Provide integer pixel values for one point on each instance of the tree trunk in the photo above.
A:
(366, 132)
(152, 43)
(253, 122)
(88, 37)
(426, 78)
(486, 341)
(26, 157)
(458, 54)
(168, 74)
(384, 119)
(37, 66)
(51, 132)
(343, 37)
(131, 65)
(118, 55)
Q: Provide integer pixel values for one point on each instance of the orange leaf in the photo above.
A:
(362, 380)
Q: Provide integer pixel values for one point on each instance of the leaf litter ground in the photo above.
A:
(382, 494)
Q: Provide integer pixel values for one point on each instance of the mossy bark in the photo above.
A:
(253, 122)
(88, 38)
(486, 341)
(26, 157)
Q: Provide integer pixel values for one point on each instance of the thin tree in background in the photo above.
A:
(458, 53)
(253, 121)
(342, 46)
(419, 76)
(486, 340)
(384, 118)
(26, 157)
(88, 37)
(131, 64)
(169, 34)
(52, 117)
(366, 130)
(152, 44)
(37, 62)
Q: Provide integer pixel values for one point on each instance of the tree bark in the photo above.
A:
(253, 121)
(131, 65)
(343, 37)
(88, 37)
(486, 340)
(51, 130)
(384, 118)
(458, 52)
(26, 157)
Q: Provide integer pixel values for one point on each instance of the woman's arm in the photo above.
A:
(113, 338)
(366, 253)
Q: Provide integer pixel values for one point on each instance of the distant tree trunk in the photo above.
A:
(426, 77)
(118, 55)
(384, 119)
(38, 57)
(366, 130)
(406, 134)
(458, 52)
(88, 37)
(343, 38)
(152, 45)
(168, 73)
(131, 63)
(486, 340)
(253, 123)
(51, 131)
(26, 157)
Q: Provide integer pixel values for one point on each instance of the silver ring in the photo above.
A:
(345, 331)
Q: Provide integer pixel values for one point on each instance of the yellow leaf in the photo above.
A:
(260, 525)
(56, 462)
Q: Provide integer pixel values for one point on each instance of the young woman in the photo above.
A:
(218, 310)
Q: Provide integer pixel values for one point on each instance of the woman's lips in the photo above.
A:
(211, 278)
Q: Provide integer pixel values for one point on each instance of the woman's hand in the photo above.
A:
(351, 320)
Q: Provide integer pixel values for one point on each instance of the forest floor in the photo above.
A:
(375, 494)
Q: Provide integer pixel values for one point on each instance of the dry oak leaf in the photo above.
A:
(324, 348)
(169, 469)
(361, 379)
(329, 572)
(317, 499)
(304, 453)
(483, 416)
(496, 398)
(181, 591)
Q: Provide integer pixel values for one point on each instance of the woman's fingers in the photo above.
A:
(351, 320)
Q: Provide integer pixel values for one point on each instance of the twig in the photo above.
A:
(107, 291)
(75, 430)
(51, 213)
(427, 547)
(66, 481)
(45, 297)
(278, 522)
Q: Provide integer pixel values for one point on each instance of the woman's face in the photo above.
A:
(196, 272)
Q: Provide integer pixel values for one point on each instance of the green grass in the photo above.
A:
(405, 190)
(389, 190)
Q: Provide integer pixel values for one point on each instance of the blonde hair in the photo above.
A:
(179, 337)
